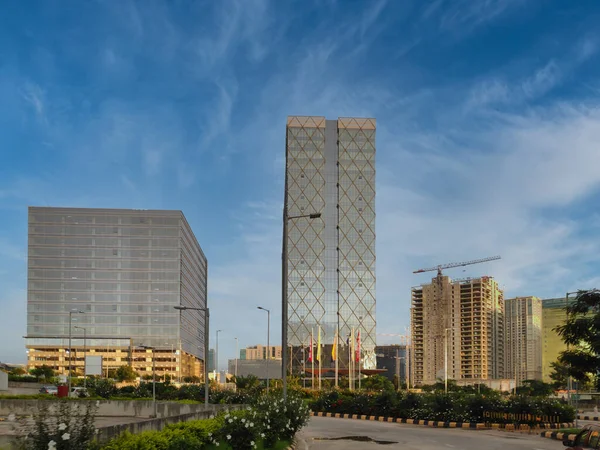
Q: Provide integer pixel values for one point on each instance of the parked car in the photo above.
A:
(52, 390)
(79, 392)
(588, 437)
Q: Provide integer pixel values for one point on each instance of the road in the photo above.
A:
(320, 431)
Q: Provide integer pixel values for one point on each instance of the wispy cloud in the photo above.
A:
(34, 96)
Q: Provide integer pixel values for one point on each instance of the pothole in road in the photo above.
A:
(356, 438)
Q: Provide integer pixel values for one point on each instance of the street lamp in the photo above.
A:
(84, 354)
(217, 359)
(284, 294)
(268, 341)
(237, 351)
(153, 375)
(206, 335)
(73, 311)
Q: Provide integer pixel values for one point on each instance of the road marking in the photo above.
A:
(449, 445)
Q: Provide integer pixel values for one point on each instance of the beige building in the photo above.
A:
(260, 352)
(523, 338)
(466, 316)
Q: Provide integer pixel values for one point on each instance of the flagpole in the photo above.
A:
(335, 346)
(319, 355)
(358, 350)
(312, 361)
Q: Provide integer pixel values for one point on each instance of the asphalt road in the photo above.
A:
(322, 434)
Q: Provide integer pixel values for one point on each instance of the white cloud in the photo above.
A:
(34, 95)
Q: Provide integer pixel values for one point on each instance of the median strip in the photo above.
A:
(442, 424)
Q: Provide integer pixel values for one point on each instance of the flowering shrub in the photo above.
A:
(57, 426)
(267, 422)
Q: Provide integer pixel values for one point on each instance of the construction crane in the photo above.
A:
(456, 264)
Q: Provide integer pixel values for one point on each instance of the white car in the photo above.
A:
(78, 392)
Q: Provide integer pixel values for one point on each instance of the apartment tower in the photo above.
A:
(330, 169)
(523, 338)
(119, 273)
(460, 320)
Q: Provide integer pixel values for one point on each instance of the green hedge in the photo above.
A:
(451, 407)
(269, 423)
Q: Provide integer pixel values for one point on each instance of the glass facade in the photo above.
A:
(554, 314)
(125, 269)
(330, 169)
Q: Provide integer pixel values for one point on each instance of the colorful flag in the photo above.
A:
(319, 345)
(358, 347)
(334, 347)
(310, 350)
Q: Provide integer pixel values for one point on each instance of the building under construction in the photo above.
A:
(464, 318)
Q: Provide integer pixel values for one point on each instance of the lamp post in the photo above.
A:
(237, 351)
(73, 311)
(446, 360)
(284, 294)
(84, 354)
(217, 359)
(268, 341)
(206, 335)
(570, 380)
(153, 376)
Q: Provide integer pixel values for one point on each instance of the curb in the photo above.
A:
(293, 446)
(557, 436)
(593, 418)
(438, 424)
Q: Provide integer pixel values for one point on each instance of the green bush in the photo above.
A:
(102, 388)
(455, 406)
(264, 425)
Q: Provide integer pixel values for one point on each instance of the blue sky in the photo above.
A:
(488, 136)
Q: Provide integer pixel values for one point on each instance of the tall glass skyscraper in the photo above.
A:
(330, 169)
(125, 270)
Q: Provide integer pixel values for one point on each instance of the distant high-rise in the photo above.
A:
(523, 338)
(330, 169)
(553, 315)
(124, 270)
(260, 352)
(468, 317)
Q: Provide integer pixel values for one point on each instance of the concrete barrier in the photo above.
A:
(112, 408)
(107, 433)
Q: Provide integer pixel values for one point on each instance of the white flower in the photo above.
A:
(96, 431)
(212, 416)
(11, 417)
(252, 443)
(217, 444)
(228, 437)
(262, 435)
(230, 420)
(243, 420)
(51, 445)
(209, 434)
(227, 416)
(62, 426)
(66, 437)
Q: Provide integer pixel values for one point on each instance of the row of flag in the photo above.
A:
(334, 348)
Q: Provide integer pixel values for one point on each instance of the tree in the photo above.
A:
(17, 371)
(559, 375)
(42, 372)
(248, 382)
(581, 332)
(535, 388)
(377, 383)
(126, 373)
